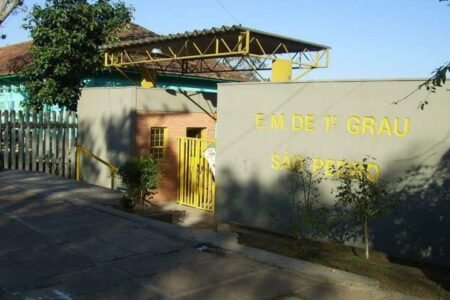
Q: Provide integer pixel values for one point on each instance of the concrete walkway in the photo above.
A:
(60, 240)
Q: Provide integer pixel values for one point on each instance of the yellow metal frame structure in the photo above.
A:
(196, 184)
(79, 150)
(243, 50)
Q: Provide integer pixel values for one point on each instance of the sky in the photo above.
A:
(370, 39)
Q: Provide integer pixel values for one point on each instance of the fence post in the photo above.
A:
(113, 175)
(27, 144)
(13, 140)
(77, 163)
(20, 146)
(39, 142)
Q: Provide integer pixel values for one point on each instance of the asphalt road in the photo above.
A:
(52, 247)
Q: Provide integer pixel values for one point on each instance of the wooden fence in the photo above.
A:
(42, 142)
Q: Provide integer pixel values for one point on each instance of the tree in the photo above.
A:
(438, 78)
(439, 75)
(360, 198)
(307, 217)
(140, 177)
(7, 7)
(67, 35)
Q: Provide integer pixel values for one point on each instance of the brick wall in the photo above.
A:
(176, 124)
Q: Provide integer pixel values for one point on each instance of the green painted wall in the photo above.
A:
(12, 91)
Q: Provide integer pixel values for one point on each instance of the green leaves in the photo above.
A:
(140, 177)
(359, 198)
(308, 217)
(437, 80)
(67, 35)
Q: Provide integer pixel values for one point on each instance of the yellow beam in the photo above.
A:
(79, 150)
(194, 57)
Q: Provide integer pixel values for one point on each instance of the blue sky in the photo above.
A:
(369, 38)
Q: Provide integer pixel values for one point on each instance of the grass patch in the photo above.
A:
(416, 279)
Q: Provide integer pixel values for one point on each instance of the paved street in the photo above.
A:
(52, 246)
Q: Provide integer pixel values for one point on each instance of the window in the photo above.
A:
(158, 142)
(198, 133)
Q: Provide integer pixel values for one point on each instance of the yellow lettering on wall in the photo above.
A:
(330, 121)
(276, 161)
(297, 122)
(329, 167)
(373, 171)
(286, 161)
(353, 125)
(297, 163)
(397, 130)
(357, 169)
(317, 165)
(385, 127)
(259, 121)
(368, 125)
(340, 167)
(309, 123)
(277, 122)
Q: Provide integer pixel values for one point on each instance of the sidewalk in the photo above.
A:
(60, 239)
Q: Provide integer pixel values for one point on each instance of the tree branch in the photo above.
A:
(7, 7)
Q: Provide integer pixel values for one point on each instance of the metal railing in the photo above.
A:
(79, 149)
(196, 184)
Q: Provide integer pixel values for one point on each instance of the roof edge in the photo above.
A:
(205, 31)
(418, 79)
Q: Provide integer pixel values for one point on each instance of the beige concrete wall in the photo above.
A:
(160, 100)
(107, 121)
(251, 149)
(106, 127)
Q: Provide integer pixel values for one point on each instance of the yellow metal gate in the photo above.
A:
(196, 186)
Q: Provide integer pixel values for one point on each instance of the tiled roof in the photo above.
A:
(13, 58)
(134, 31)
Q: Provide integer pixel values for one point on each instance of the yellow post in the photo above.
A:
(148, 79)
(247, 41)
(78, 163)
(79, 150)
(113, 175)
(281, 70)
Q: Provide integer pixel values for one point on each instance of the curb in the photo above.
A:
(227, 242)
(221, 239)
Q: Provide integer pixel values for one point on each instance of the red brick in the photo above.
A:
(176, 124)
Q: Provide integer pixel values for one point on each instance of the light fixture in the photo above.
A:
(156, 51)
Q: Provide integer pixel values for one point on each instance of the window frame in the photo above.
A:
(163, 139)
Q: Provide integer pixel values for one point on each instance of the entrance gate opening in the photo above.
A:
(196, 184)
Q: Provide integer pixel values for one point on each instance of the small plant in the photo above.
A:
(140, 177)
(307, 218)
(359, 197)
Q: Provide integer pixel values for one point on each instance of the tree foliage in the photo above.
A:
(360, 198)
(140, 177)
(437, 80)
(307, 217)
(67, 35)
